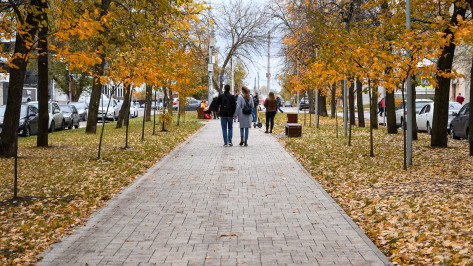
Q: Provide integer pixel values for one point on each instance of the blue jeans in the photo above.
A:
(244, 133)
(253, 113)
(280, 110)
(227, 122)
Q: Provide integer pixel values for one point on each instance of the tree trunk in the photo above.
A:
(43, 74)
(333, 100)
(149, 96)
(414, 121)
(371, 96)
(470, 115)
(439, 123)
(95, 95)
(359, 103)
(24, 40)
(351, 101)
(170, 103)
(374, 107)
(390, 112)
(311, 101)
(322, 105)
(125, 107)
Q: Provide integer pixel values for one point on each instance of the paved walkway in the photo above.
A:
(209, 204)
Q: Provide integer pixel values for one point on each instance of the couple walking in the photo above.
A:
(230, 108)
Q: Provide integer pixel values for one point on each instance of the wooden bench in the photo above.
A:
(293, 130)
(292, 118)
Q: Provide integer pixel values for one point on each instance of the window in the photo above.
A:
(427, 108)
(465, 110)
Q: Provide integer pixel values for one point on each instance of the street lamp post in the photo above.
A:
(210, 68)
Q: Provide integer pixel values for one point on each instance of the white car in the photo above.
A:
(426, 115)
(113, 110)
(134, 110)
(400, 114)
(56, 118)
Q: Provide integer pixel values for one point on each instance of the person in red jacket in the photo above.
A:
(460, 98)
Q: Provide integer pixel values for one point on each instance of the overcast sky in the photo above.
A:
(261, 62)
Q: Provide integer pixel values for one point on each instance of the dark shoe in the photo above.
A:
(271, 132)
(241, 142)
(225, 145)
(230, 144)
(246, 144)
(266, 131)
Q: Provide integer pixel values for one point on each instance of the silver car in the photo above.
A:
(56, 118)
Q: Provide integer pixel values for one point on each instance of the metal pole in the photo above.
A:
(345, 109)
(298, 101)
(316, 107)
(316, 120)
(233, 83)
(268, 75)
(210, 69)
(410, 112)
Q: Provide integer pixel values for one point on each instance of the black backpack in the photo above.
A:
(225, 107)
(246, 108)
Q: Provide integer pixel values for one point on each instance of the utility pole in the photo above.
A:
(268, 75)
(210, 67)
(257, 89)
(233, 83)
(410, 112)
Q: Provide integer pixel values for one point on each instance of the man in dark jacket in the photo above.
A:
(226, 105)
(214, 107)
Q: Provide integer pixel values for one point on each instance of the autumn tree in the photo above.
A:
(243, 31)
(20, 21)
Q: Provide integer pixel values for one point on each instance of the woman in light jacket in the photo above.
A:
(244, 100)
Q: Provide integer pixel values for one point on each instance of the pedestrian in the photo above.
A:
(255, 105)
(460, 98)
(214, 107)
(271, 105)
(226, 109)
(243, 111)
(278, 100)
(382, 107)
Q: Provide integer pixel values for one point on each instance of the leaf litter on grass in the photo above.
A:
(419, 216)
(61, 185)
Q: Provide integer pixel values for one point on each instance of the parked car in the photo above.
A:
(56, 118)
(134, 110)
(304, 103)
(288, 104)
(71, 115)
(28, 120)
(82, 109)
(453, 109)
(459, 125)
(426, 115)
(191, 104)
(400, 114)
(113, 110)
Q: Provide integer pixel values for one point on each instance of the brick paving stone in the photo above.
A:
(205, 204)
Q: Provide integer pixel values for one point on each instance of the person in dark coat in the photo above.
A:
(271, 105)
(214, 107)
(226, 108)
(255, 105)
